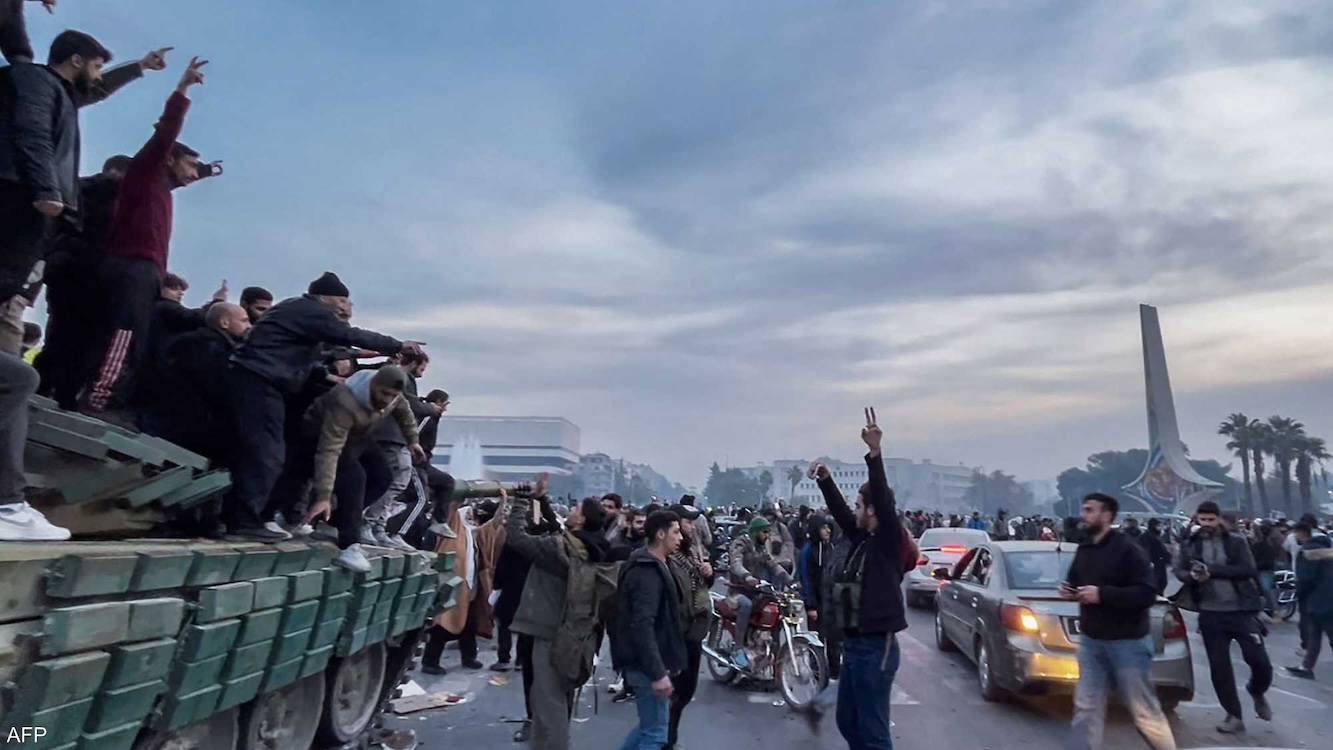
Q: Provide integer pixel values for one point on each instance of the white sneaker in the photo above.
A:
(276, 528)
(442, 530)
(368, 534)
(304, 529)
(20, 522)
(353, 559)
(394, 541)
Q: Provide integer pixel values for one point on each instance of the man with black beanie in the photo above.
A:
(281, 354)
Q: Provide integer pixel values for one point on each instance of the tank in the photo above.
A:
(133, 640)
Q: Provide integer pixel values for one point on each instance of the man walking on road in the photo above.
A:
(1111, 580)
(1314, 588)
(650, 647)
(1219, 568)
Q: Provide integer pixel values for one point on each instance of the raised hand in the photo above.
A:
(817, 470)
(193, 74)
(155, 60)
(221, 294)
(871, 433)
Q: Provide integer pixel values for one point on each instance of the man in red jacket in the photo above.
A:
(139, 240)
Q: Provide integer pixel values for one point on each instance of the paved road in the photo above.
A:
(935, 706)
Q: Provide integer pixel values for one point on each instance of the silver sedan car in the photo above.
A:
(1001, 607)
(940, 549)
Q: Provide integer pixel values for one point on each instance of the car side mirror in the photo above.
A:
(941, 573)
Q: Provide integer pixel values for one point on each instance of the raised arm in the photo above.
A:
(14, 44)
(837, 505)
(543, 551)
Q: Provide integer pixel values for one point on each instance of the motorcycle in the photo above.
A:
(1285, 581)
(783, 649)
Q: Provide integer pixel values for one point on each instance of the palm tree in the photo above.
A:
(794, 476)
(1309, 451)
(1261, 441)
(1241, 430)
(1287, 433)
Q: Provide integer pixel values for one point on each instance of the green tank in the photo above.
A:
(131, 641)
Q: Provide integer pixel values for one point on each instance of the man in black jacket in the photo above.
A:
(189, 408)
(1112, 582)
(279, 357)
(39, 156)
(649, 646)
(1219, 569)
(867, 601)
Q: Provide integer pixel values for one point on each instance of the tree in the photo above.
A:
(794, 477)
(731, 486)
(1261, 442)
(765, 483)
(1241, 429)
(1309, 451)
(992, 492)
(1286, 436)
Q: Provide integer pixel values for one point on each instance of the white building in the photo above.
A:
(915, 485)
(507, 448)
(598, 472)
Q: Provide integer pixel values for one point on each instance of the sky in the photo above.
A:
(712, 231)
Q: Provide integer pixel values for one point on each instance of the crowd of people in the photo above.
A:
(299, 405)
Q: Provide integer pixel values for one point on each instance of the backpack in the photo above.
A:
(908, 552)
(590, 596)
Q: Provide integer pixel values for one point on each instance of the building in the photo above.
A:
(507, 448)
(915, 485)
(598, 472)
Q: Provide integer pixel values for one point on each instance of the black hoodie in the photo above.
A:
(1120, 571)
(648, 625)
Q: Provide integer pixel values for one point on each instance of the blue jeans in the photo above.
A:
(1124, 664)
(1269, 587)
(654, 715)
(869, 664)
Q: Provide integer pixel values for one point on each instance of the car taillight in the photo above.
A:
(953, 549)
(922, 560)
(1018, 619)
(1173, 626)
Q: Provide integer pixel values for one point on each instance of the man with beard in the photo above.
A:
(256, 300)
(1218, 567)
(1111, 580)
(541, 610)
(751, 562)
(139, 242)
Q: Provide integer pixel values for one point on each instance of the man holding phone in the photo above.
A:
(1111, 580)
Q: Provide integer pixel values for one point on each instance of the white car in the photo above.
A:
(939, 549)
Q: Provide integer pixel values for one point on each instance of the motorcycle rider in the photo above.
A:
(751, 563)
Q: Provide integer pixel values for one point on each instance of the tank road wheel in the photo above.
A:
(353, 695)
(217, 732)
(284, 718)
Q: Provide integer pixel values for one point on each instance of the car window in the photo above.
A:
(1043, 569)
(980, 571)
(962, 565)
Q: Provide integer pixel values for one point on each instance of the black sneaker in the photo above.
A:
(434, 669)
(1302, 672)
(524, 731)
(500, 666)
(472, 664)
(255, 534)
